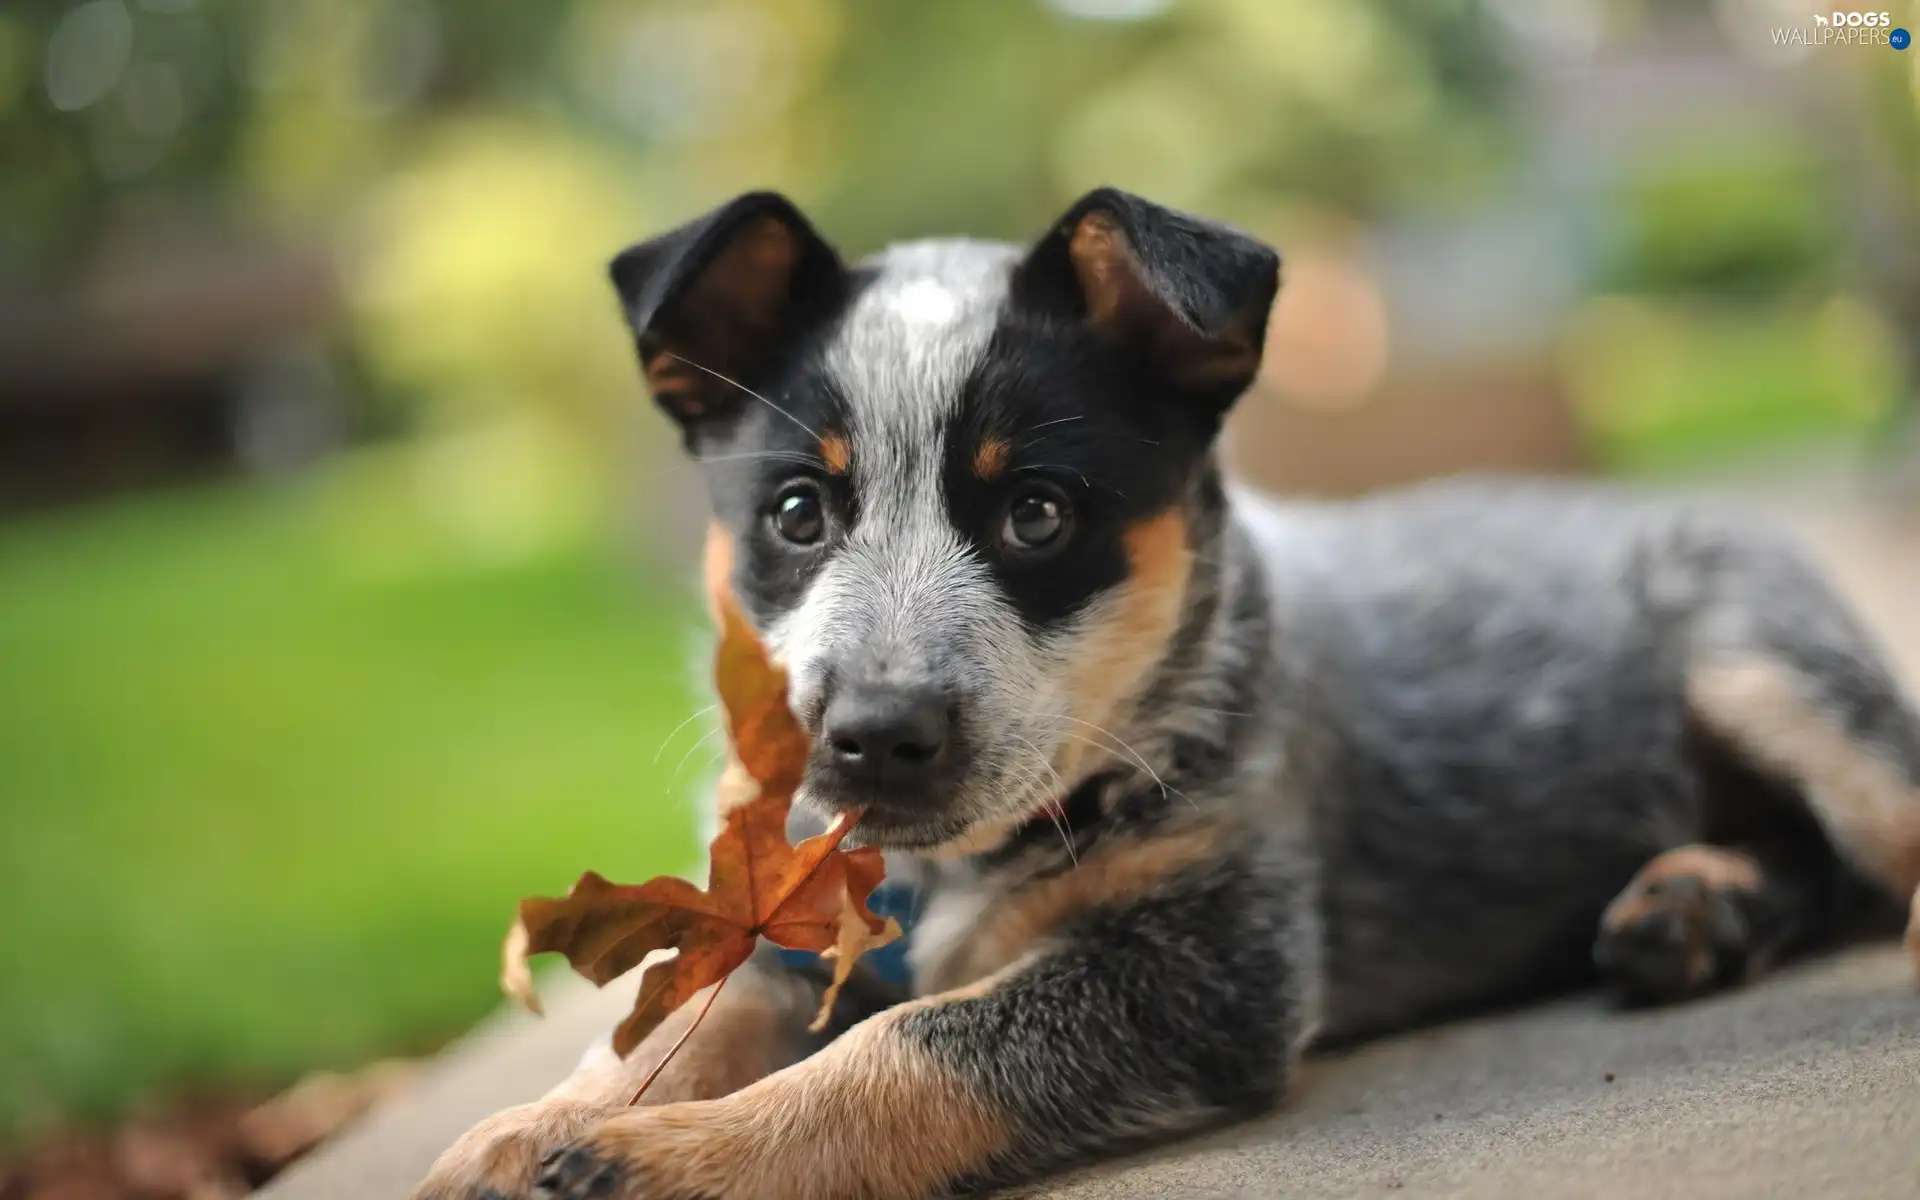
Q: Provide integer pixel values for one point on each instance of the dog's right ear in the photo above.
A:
(718, 297)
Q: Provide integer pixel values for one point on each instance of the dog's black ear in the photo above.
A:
(1191, 296)
(719, 296)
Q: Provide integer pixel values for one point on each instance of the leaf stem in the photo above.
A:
(679, 1042)
(838, 831)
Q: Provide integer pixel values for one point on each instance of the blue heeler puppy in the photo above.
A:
(1189, 779)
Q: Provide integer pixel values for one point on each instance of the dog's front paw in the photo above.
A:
(499, 1158)
(578, 1171)
(581, 1171)
(674, 1152)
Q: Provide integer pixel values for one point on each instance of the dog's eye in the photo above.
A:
(798, 514)
(1036, 520)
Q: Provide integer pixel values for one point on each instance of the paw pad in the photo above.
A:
(576, 1173)
(1671, 938)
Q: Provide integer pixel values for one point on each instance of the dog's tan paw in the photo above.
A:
(499, 1158)
(584, 1171)
(675, 1152)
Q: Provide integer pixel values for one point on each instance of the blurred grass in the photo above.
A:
(267, 808)
(1667, 388)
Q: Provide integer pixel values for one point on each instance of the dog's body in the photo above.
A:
(1189, 779)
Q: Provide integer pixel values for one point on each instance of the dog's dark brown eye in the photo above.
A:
(799, 516)
(1035, 521)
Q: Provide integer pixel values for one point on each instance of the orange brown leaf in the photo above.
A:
(763, 735)
(811, 896)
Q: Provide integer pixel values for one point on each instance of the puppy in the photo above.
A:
(1189, 779)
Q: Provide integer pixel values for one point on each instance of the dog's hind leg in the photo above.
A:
(1785, 686)
(1848, 743)
(1702, 917)
(1783, 675)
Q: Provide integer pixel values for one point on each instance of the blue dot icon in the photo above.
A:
(1899, 39)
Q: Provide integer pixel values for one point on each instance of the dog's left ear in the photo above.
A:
(1189, 295)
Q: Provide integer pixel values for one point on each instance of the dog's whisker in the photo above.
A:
(1066, 839)
(793, 456)
(1059, 784)
(1058, 781)
(749, 391)
(1103, 747)
(1057, 421)
(675, 731)
(1034, 781)
(1119, 741)
(682, 765)
(1088, 434)
(1053, 814)
(1081, 475)
(1123, 744)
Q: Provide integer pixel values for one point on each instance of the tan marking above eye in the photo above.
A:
(990, 459)
(836, 453)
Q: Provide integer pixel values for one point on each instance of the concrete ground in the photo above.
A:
(1805, 1085)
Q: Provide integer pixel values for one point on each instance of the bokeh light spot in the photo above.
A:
(88, 53)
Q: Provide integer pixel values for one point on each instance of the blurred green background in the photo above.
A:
(343, 567)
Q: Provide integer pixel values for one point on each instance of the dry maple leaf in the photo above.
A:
(812, 896)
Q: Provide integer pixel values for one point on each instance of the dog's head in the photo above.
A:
(951, 484)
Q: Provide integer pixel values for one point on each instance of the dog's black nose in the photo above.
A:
(882, 734)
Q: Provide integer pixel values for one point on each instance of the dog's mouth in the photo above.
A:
(915, 826)
(889, 821)
(893, 831)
